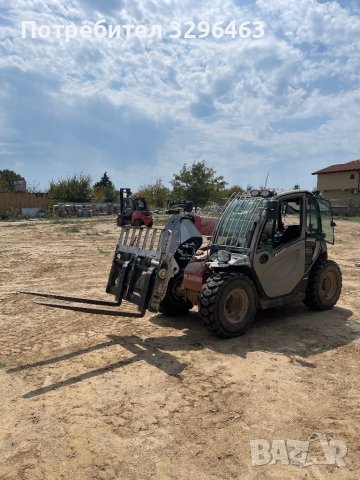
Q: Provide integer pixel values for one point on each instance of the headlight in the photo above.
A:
(223, 256)
(265, 193)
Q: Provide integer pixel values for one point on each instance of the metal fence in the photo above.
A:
(346, 208)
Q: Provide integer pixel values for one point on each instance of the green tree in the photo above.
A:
(33, 187)
(7, 179)
(155, 193)
(72, 189)
(104, 189)
(198, 183)
(226, 194)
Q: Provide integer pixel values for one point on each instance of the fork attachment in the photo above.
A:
(141, 269)
(70, 298)
(142, 266)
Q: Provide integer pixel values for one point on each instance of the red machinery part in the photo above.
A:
(205, 225)
(194, 276)
(145, 218)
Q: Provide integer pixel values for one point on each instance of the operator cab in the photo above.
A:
(293, 233)
(292, 216)
(133, 204)
(141, 204)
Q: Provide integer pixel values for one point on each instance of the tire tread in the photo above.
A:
(312, 299)
(208, 299)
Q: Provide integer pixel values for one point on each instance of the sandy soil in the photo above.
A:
(98, 397)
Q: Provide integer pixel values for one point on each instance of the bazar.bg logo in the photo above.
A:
(317, 450)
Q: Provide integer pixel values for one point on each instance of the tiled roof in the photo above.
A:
(340, 167)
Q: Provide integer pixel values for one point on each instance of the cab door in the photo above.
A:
(279, 258)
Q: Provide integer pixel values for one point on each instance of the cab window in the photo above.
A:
(140, 204)
(313, 220)
(327, 225)
(283, 230)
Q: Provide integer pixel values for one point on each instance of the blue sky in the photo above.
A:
(287, 104)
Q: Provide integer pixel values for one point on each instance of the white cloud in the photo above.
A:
(243, 103)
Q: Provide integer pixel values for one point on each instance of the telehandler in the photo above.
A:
(268, 249)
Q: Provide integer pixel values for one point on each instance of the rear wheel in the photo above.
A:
(324, 286)
(228, 304)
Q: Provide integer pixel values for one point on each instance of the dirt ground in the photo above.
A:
(113, 397)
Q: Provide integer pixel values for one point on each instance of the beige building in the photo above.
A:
(340, 184)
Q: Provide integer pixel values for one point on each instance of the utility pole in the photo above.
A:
(267, 177)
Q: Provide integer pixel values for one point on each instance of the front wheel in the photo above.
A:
(324, 285)
(172, 304)
(228, 304)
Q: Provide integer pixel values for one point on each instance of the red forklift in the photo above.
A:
(133, 210)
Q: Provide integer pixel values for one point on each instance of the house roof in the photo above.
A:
(340, 167)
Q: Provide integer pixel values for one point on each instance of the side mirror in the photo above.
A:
(272, 210)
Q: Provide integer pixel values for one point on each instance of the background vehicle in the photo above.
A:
(204, 223)
(133, 210)
(267, 250)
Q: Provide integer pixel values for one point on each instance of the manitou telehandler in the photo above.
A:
(268, 249)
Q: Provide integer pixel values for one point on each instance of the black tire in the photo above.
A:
(324, 285)
(138, 223)
(228, 304)
(149, 225)
(172, 305)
